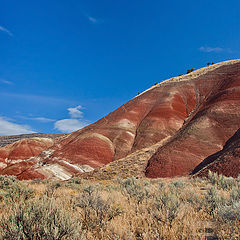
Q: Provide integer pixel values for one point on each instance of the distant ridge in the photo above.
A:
(5, 140)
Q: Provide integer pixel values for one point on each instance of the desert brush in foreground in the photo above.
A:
(129, 208)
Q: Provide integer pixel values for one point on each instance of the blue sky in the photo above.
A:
(65, 64)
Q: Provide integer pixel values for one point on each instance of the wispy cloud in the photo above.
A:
(92, 19)
(74, 123)
(38, 98)
(7, 127)
(211, 49)
(6, 82)
(43, 119)
(3, 29)
(39, 119)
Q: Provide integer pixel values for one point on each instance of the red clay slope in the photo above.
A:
(22, 150)
(225, 162)
(214, 120)
(141, 122)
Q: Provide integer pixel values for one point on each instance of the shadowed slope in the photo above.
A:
(226, 161)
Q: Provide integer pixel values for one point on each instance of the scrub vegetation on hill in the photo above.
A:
(120, 209)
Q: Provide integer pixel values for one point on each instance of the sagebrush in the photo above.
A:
(120, 209)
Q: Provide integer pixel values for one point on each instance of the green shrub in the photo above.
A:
(178, 184)
(52, 187)
(235, 194)
(133, 188)
(229, 212)
(96, 211)
(37, 181)
(7, 181)
(161, 185)
(222, 182)
(167, 203)
(214, 200)
(38, 219)
(75, 183)
(190, 70)
(14, 190)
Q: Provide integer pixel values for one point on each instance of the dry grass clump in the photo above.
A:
(120, 209)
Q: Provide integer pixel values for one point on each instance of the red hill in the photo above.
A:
(188, 118)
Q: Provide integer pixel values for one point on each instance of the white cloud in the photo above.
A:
(9, 128)
(75, 112)
(92, 19)
(3, 29)
(36, 98)
(74, 123)
(69, 125)
(211, 49)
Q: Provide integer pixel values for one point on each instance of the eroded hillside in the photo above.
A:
(164, 132)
